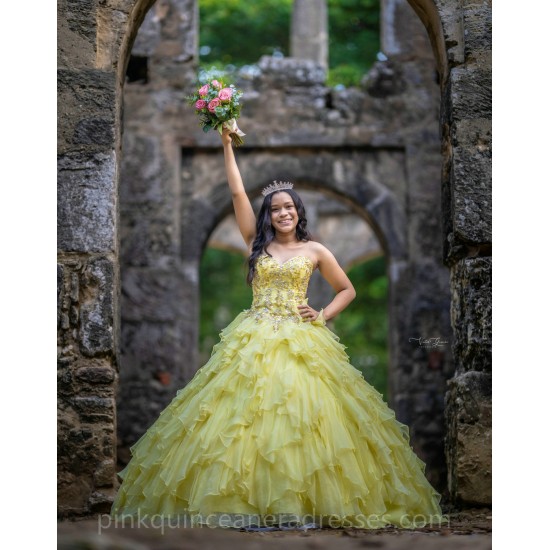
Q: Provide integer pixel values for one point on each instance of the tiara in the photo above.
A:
(277, 186)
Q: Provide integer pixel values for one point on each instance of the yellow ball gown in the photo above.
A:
(276, 427)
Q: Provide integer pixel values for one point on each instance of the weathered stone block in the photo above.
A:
(94, 90)
(468, 441)
(470, 203)
(100, 502)
(475, 134)
(471, 92)
(95, 409)
(105, 473)
(448, 14)
(86, 101)
(78, 449)
(80, 17)
(76, 28)
(86, 202)
(471, 199)
(471, 313)
(97, 131)
(80, 436)
(477, 27)
(97, 307)
(95, 375)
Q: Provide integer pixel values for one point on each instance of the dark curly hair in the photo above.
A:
(265, 233)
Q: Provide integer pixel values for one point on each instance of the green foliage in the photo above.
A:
(234, 32)
(362, 327)
(345, 75)
(354, 33)
(239, 32)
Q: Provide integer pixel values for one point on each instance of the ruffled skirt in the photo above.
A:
(278, 426)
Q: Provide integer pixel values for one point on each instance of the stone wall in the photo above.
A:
(91, 37)
(438, 214)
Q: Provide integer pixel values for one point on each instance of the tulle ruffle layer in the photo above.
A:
(278, 427)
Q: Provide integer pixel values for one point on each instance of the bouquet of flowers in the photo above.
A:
(218, 107)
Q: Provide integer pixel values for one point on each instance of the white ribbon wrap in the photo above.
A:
(231, 124)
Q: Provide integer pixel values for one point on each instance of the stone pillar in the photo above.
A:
(309, 31)
(87, 272)
(468, 400)
(466, 130)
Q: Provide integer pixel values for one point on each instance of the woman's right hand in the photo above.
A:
(246, 220)
(226, 137)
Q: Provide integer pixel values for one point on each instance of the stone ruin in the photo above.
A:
(141, 190)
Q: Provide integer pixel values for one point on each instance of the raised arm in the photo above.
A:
(241, 203)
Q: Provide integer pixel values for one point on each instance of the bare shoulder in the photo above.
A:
(320, 252)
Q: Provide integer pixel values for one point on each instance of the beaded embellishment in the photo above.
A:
(278, 289)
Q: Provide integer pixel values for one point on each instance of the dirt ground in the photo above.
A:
(469, 529)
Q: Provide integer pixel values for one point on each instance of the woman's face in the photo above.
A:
(284, 216)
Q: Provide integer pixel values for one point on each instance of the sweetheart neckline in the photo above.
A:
(291, 258)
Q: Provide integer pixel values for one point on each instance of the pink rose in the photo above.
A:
(204, 90)
(216, 84)
(213, 104)
(225, 94)
(200, 104)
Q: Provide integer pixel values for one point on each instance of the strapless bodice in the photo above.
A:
(278, 289)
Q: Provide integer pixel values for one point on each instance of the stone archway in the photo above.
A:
(417, 289)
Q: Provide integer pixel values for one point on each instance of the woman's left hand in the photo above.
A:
(307, 312)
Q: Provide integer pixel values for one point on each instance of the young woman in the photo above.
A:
(278, 428)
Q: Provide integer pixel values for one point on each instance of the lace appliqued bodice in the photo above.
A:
(278, 289)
